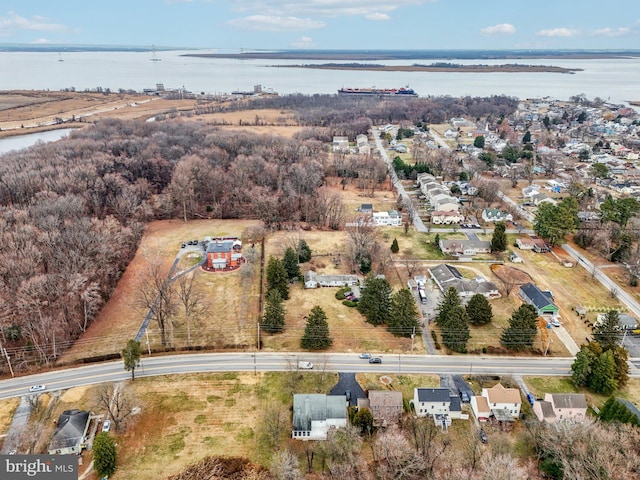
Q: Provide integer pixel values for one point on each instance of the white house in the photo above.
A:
(496, 215)
(387, 219)
(314, 280)
(501, 399)
(446, 218)
(315, 414)
(340, 144)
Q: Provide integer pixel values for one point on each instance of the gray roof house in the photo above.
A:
(70, 433)
(315, 280)
(542, 300)
(561, 406)
(438, 403)
(465, 248)
(447, 276)
(314, 414)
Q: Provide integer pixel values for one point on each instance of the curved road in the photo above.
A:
(262, 362)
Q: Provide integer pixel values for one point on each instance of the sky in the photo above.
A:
(232, 25)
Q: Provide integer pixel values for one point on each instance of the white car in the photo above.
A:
(106, 426)
(37, 388)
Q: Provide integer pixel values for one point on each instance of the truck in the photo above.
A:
(305, 365)
(423, 296)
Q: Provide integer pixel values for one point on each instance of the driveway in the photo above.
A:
(347, 381)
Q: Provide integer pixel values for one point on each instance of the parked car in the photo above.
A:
(183, 245)
(37, 388)
(365, 355)
(464, 396)
(106, 426)
(530, 398)
(483, 436)
(375, 360)
(348, 395)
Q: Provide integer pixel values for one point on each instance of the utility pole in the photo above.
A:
(413, 334)
(146, 332)
(4, 350)
(258, 347)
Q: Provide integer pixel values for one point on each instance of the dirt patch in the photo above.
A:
(7, 407)
(74, 395)
(510, 275)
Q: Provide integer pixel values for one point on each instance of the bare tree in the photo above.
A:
(191, 300)
(117, 401)
(285, 466)
(156, 294)
(395, 458)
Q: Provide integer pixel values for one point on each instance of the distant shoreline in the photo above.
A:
(440, 67)
(355, 55)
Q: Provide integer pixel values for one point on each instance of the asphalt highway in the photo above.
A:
(278, 362)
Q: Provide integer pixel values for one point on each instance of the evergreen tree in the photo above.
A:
(375, 300)
(603, 373)
(304, 252)
(522, 328)
(316, 333)
(291, 265)
(583, 364)
(607, 333)
(499, 239)
(455, 329)
(621, 357)
(479, 310)
(403, 317)
(526, 137)
(394, 246)
(553, 222)
(277, 277)
(479, 141)
(436, 241)
(131, 354)
(363, 419)
(450, 300)
(615, 411)
(104, 455)
(273, 320)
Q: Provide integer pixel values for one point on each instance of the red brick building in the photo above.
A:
(224, 253)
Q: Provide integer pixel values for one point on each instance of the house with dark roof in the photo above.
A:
(541, 300)
(70, 434)
(561, 406)
(436, 402)
(224, 253)
(314, 414)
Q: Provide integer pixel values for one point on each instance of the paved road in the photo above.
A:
(519, 209)
(624, 297)
(278, 362)
(417, 221)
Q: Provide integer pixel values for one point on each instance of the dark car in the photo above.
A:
(348, 395)
(464, 396)
(483, 436)
(184, 245)
(375, 360)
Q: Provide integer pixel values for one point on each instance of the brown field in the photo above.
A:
(120, 319)
(7, 407)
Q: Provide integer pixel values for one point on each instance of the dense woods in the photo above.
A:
(73, 212)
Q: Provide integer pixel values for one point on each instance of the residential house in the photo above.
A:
(387, 219)
(467, 248)
(450, 133)
(496, 215)
(480, 407)
(561, 406)
(445, 203)
(503, 400)
(541, 300)
(71, 432)
(446, 218)
(436, 401)
(385, 406)
(447, 276)
(530, 190)
(626, 321)
(340, 144)
(515, 258)
(315, 280)
(536, 244)
(224, 253)
(315, 414)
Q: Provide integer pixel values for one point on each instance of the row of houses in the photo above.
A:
(314, 415)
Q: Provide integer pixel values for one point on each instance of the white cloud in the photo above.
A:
(558, 32)
(324, 8)
(612, 32)
(12, 23)
(303, 42)
(500, 29)
(273, 23)
(41, 41)
(377, 16)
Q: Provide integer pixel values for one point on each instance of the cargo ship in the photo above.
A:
(403, 92)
